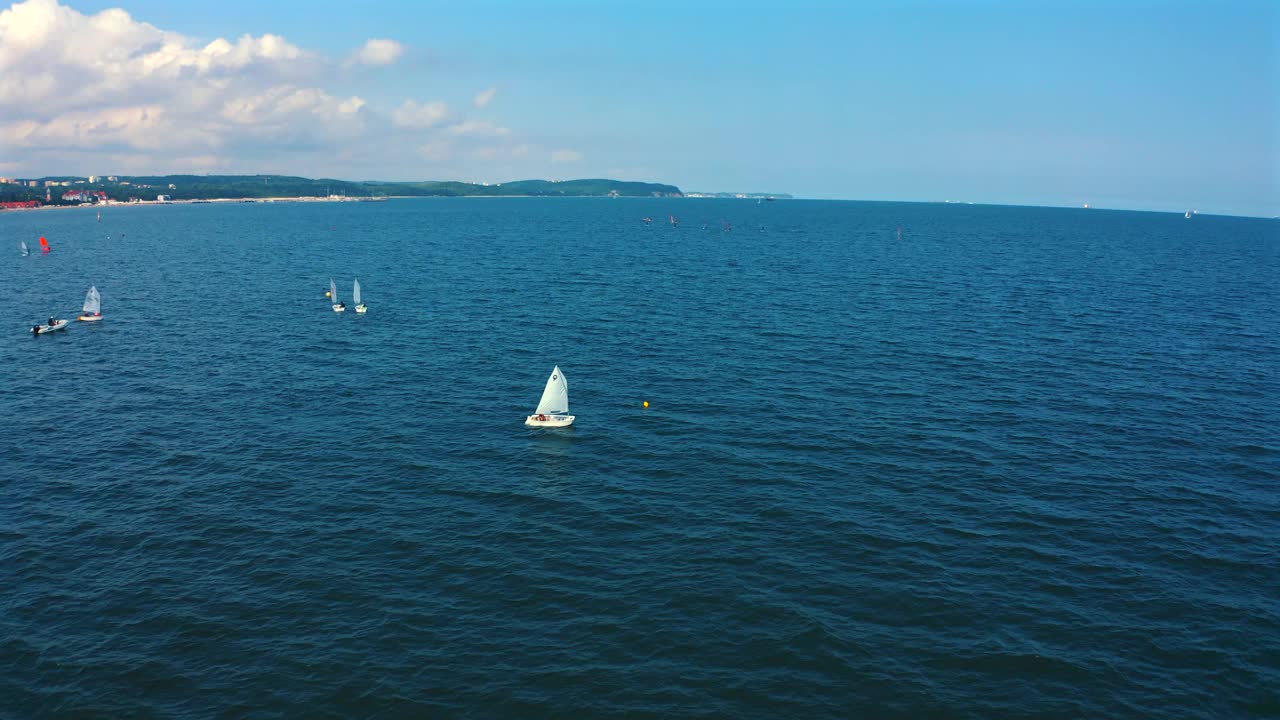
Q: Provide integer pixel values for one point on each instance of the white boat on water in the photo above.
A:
(22, 247)
(355, 293)
(92, 306)
(553, 408)
(52, 326)
(333, 295)
(1188, 215)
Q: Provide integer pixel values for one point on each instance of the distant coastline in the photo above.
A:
(739, 195)
(18, 193)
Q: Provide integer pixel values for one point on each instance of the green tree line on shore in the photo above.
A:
(208, 187)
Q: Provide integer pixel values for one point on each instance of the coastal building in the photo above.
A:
(93, 179)
(111, 178)
(85, 196)
(34, 183)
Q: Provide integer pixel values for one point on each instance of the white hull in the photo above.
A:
(89, 318)
(339, 308)
(42, 329)
(361, 309)
(550, 421)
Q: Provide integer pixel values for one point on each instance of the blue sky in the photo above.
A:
(1168, 105)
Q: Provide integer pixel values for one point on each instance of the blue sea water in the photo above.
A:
(1018, 462)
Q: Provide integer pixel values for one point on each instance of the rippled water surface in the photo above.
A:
(1018, 462)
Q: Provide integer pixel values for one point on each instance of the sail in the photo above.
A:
(92, 301)
(333, 291)
(23, 244)
(555, 398)
(355, 291)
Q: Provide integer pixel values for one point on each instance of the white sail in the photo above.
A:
(555, 398)
(355, 292)
(92, 301)
(333, 291)
(23, 243)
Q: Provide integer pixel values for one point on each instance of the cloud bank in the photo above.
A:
(107, 92)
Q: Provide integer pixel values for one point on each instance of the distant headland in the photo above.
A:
(72, 190)
(739, 195)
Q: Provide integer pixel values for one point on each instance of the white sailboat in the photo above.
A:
(1188, 215)
(92, 306)
(22, 246)
(333, 295)
(355, 293)
(553, 408)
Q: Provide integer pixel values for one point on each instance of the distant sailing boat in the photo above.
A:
(333, 295)
(22, 247)
(92, 306)
(45, 245)
(553, 408)
(1188, 215)
(355, 293)
(99, 216)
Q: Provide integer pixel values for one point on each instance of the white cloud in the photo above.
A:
(352, 104)
(53, 59)
(477, 128)
(378, 51)
(565, 156)
(109, 83)
(82, 92)
(413, 115)
(284, 104)
(484, 97)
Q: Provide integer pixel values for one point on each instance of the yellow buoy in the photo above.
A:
(646, 403)
(326, 293)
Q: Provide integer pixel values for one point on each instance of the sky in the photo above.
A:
(1142, 105)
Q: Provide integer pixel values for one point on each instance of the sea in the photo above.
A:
(898, 461)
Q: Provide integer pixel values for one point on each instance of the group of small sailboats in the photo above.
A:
(24, 251)
(338, 305)
(91, 311)
(553, 407)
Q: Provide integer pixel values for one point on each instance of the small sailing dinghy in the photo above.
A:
(52, 326)
(553, 408)
(22, 246)
(92, 306)
(333, 295)
(355, 293)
